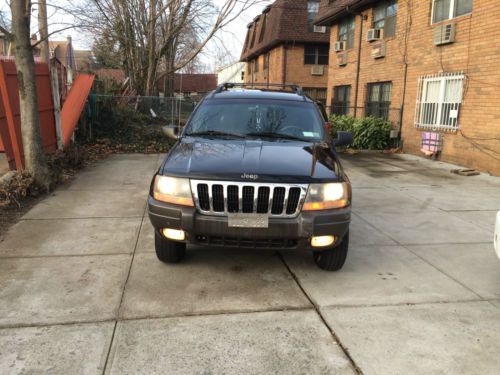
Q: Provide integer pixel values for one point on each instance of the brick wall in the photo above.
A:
(476, 52)
(296, 71)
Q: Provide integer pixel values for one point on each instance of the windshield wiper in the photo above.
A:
(276, 136)
(214, 133)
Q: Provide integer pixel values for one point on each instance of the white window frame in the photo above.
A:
(451, 13)
(451, 123)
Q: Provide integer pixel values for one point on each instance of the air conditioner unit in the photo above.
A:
(341, 59)
(339, 46)
(319, 29)
(373, 34)
(317, 70)
(378, 50)
(444, 34)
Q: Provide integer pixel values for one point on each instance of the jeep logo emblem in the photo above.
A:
(250, 176)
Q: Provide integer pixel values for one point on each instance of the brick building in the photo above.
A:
(64, 52)
(429, 66)
(191, 85)
(283, 46)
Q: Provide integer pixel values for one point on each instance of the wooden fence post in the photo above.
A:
(15, 139)
(54, 80)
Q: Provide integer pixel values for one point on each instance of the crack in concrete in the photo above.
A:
(82, 218)
(118, 312)
(238, 312)
(344, 349)
(63, 255)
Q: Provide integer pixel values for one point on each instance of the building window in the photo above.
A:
(384, 17)
(346, 32)
(263, 28)
(253, 35)
(316, 55)
(256, 65)
(266, 62)
(378, 100)
(317, 94)
(341, 100)
(448, 9)
(438, 101)
(312, 11)
(249, 71)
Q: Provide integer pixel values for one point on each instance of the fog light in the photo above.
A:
(174, 234)
(322, 241)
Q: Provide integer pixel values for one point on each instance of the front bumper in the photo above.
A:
(281, 233)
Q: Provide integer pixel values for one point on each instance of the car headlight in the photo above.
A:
(173, 190)
(327, 196)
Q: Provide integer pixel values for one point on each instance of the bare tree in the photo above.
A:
(44, 31)
(34, 157)
(160, 34)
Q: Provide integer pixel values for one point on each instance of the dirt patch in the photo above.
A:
(116, 130)
(12, 214)
(20, 193)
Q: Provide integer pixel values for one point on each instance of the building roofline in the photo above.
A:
(333, 13)
(284, 21)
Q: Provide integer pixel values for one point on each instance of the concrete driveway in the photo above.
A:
(81, 290)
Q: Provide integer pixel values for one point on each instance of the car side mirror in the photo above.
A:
(343, 139)
(171, 131)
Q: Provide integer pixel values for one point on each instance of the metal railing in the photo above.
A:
(439, 99)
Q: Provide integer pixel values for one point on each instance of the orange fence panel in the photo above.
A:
(73, 106)
(10, 120)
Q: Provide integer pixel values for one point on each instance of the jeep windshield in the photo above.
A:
(253, 118)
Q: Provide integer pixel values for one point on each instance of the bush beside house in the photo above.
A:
(370, 133)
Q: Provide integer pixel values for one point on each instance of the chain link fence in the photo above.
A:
(133, 123)
(172, 110)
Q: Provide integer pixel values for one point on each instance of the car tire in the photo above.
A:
(169, 251)
(333, 259)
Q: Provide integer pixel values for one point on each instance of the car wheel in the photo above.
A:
(169, 251)
(333, 259)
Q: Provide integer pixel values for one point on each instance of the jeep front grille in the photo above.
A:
(220, 198)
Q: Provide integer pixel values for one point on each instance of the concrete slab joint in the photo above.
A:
(81, 289)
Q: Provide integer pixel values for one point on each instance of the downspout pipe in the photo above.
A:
(284, 63)
(405, 77)
(401, 111)
(358, 63)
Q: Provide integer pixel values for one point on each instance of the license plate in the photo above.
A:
(242, 220)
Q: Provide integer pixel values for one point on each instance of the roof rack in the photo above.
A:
(226, 86)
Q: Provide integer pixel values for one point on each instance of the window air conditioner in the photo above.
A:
(319, 29)
(339, 46)
(373, 34)
(444, 34)
(317, 70)
(341, 59)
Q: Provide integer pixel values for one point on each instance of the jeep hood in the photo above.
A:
(251, 160)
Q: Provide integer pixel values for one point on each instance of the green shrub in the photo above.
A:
(342, 123)
(370, 133)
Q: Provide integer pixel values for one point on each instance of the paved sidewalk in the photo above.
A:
(81, 290)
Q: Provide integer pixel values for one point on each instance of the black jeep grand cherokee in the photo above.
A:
(254, 169)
